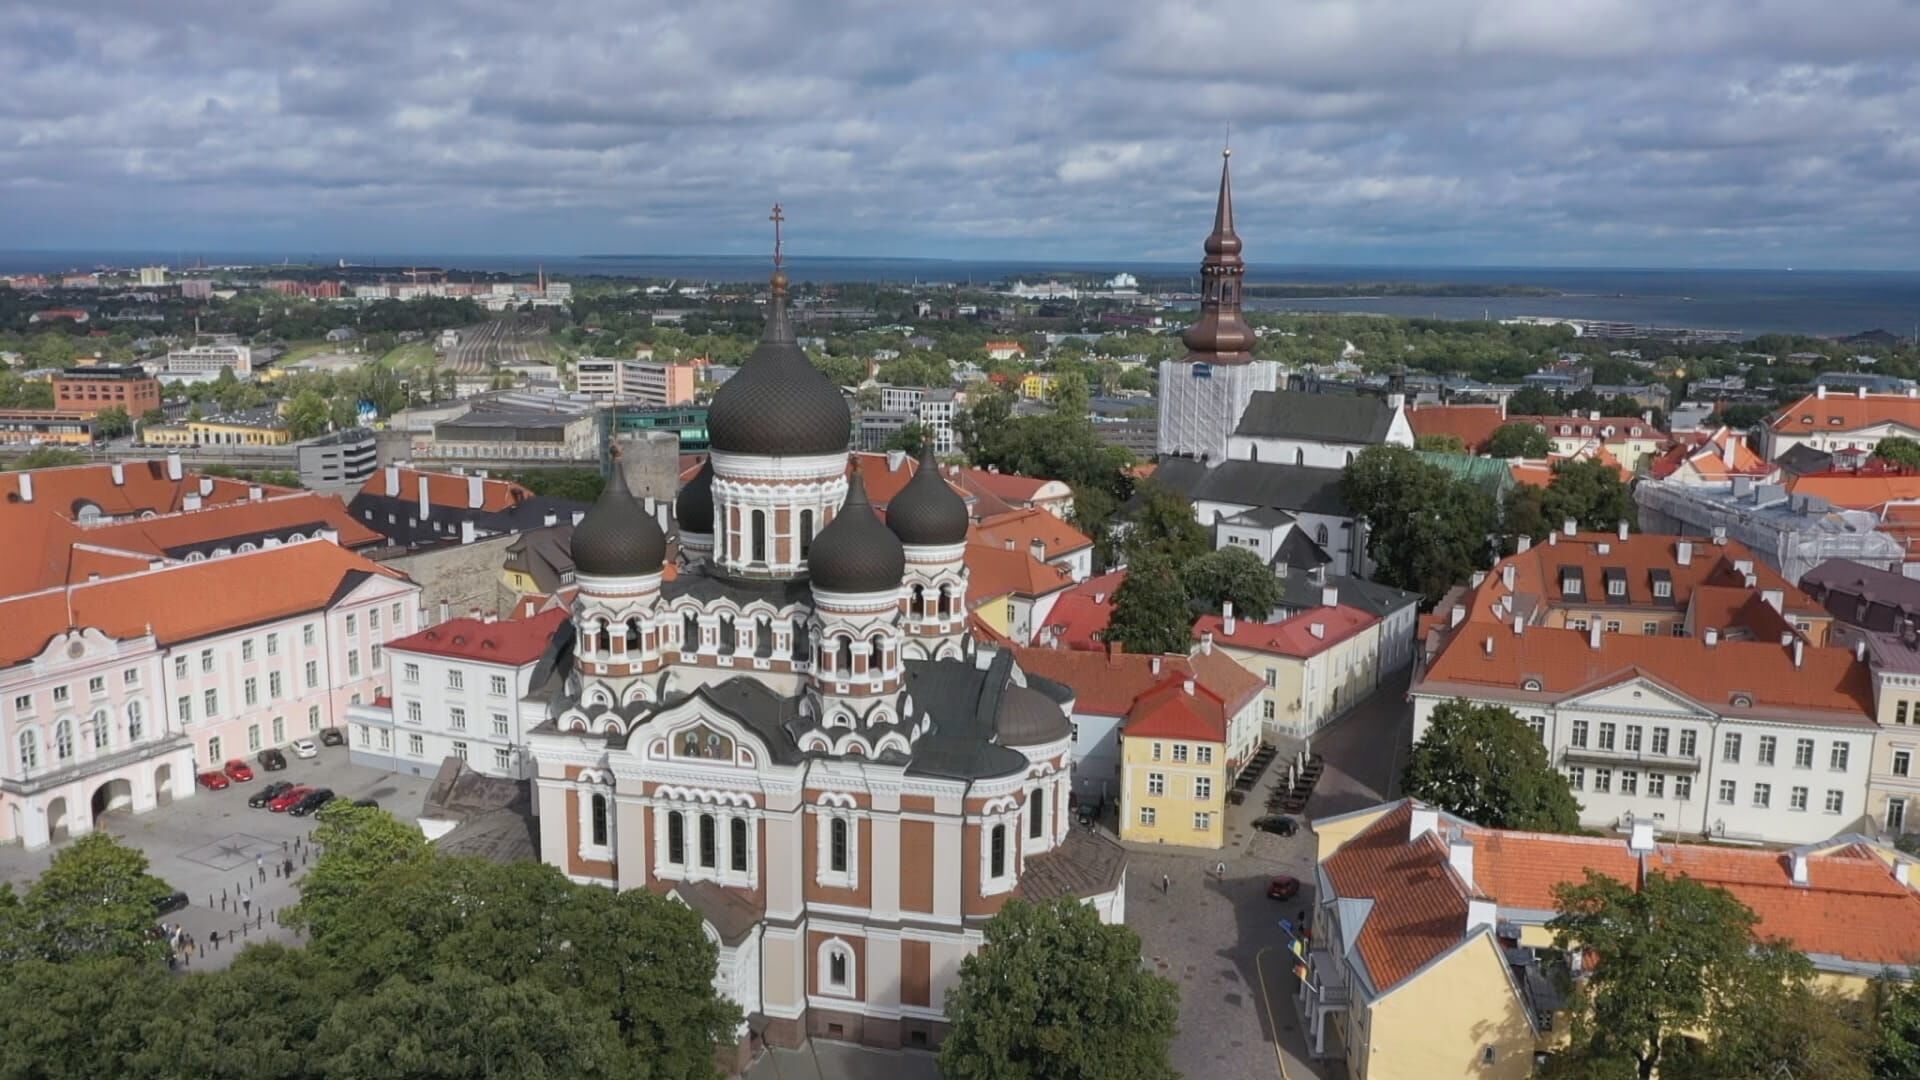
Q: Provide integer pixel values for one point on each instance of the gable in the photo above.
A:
(1639, 694)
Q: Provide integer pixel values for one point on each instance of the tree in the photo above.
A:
(1522, 515)
(1440, 444)
(1676, 959)
(1532, 401)
(1519, 441)
(1055, 995)
(1896, 1028)
(96, 899)
(153, 416)
(112, 422)
(1426, 530)
(361, 844)
(1589, 492)
(47, 457)
(1163, 524)
(1899, 450)
(307, 414)
(1150, 613)
(1236, 574)
(78, 1020)
(1484, 764)
(579, 485)
(909, 438)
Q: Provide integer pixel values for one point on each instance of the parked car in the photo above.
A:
(1283, 887)
(332, 736)
(269, 793)
(272, 760)
(1280, 824)
(171, 903)
(287, 799)
(304, 748)
(238, 771)
(214, 780)
(374, 803)
(315, 800)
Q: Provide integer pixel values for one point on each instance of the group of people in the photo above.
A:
(180, 945)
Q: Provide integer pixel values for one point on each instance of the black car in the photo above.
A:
(267, 794)
(272, 760)
(332, 736)
(312, 802)
(1277, 823)
(168, 904)
(372, 803)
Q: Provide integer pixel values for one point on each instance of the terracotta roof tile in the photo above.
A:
(1023, 527)
(235, 519)
(1082, 612)
(1817, 414)
(1293, 636)
(1473, 425)
(1858, 490)
(449, 489)
(1705, 453)
(994, 572)
(1537, 572)
(512, 642)
(1170, 711)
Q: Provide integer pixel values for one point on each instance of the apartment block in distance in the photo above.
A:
(88, 390)
(648, 383)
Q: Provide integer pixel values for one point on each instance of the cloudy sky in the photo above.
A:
(1562, 132)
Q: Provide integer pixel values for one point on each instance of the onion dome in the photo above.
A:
(693, 507)
(1028, 717)
(928, 511)
(617, 537)
(855, 553)
(778, 403)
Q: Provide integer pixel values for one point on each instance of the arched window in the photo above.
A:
(844, 662)
(837, 846)
(136, 721)
(918, 605)
(762, 636)
(837, 969)
(1349, 457)
(63, 740)
(603, 639)
(1254, 451)
(877, 657)
(946, 601)
(997, 861)
(102, 730)
(600, 821)
(1320, 535)
(1299, 456)
(1037, 814)
(709, 842)
(738, 845)
(800, 643)
(677, 838)
(633, 635)
(690, 632)
(759, 536)
(729, 637)
(806, 532)
(29, 749)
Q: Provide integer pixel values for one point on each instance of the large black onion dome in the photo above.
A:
(617, 537)
(928, 511)
(778, 403)
(1028, 717)
(693, 507)
(855, 553)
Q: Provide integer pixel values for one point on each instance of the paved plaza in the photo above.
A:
(213, 845)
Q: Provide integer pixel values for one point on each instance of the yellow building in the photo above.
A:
(1315, 665)
(1408, 969)
(1175, 772)
(1036, 386)
(252, 430)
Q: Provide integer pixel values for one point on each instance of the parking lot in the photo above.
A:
(214, 847)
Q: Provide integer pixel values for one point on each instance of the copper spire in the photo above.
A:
(1221, 335)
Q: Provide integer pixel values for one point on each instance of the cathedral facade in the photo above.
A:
(793, 732)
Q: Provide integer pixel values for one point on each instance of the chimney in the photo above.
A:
(1593, 634)
(577, 515)
(1647, 418)
(1329, 596)
(206, 486)
(1038, 549)
(426, 500)
(1775, 598)
(1523, 544)
(1519, 625)
(1227, 621)
(1553, 539)
(191, 502)
(1860, 649)
(895, 459)
(1506, 574)
(173, 465)
(477, 492)
(1425, 820)
(1009, 543)
(1799, 651)
(1683, 552)
(1481, 912)
(119, 474)
(1319, 631)
(1568, 526)
(1860, 392)
(1623, 529)
(26, 487)
(446, 610)
(1186, 686)
(1719, 536)
(1902, 873)
(1800, 875)
(1206, 643)
(551, 518)
(1730, 450)
(1487, 645)
(254, 494)
(1460, 857)
(1153, 665)
(467, 532)
(1458, 615)
(1820, 392)
(1640, 836)
(393, 481)
(1711, 637)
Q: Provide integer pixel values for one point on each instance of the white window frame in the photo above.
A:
(823, 957)
(824, 874)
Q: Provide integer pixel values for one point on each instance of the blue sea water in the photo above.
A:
(1825, 302)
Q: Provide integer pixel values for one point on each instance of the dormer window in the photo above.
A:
(1617, 587)
(1834, 420)
(1531, 685)
(1663, 589)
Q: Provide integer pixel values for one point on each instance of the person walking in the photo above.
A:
(246, 903)
(1166, 883)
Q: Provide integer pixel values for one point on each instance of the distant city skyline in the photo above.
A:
(1602, 133)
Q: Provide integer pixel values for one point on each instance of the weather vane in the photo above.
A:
(776, 217)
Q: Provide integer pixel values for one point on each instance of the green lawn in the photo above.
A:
(413, 354)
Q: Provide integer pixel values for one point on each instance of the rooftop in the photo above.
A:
(1307, 634)
(509, 642)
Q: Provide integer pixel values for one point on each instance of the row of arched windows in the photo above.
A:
(101, 723)
(757, 537)
(706, 827)
(943, 606)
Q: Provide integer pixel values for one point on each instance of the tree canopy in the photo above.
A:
(1236, 574)
(1898, 450)
(1484, 764)
(1162, 523)
(1150, 613)
(1590, 493)
(1055, 995)
(1426, 530)
(1519, 440)
(95, 899)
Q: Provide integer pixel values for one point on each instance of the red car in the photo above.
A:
(214, 780)
(1283, 887)
(239, 771)
(288, 799)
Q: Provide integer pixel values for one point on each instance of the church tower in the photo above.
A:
(856, 572)
(618, 550)
(930, 518)
(1203, 394)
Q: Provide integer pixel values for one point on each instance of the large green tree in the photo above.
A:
(1055, 995)
(112, 422)
(1150, 612)
(363, 844)
(307, 415)
(1483, 763)
(1426, 530)
(1519, 440)
(1896, 1028)
(1233, 574)
(96, 899)
(1898, 450)
(1589, 492)
(1162, 524)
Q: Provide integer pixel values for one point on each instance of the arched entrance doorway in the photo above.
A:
(110, 796)
(57, 819)
(163, 785)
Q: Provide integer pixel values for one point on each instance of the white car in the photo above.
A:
(305, 748)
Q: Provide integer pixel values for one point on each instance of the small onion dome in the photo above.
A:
(1028, 717)
(617, 537)
(693, 507)
(778, 403)
(855, 553)
(928, 511)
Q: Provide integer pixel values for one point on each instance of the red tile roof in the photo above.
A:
(235, 519)
(512, 642)
(994, 572)
(1473, 425)
(1294, 636)
(1082, 612)
(1109, 683)
(1023, 527)
(1537, 572)
(450, 489)
(187, 601)
(1172, 711)
(1845, 412)
(1863, 490)
(1706, 453)
(146, 489)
